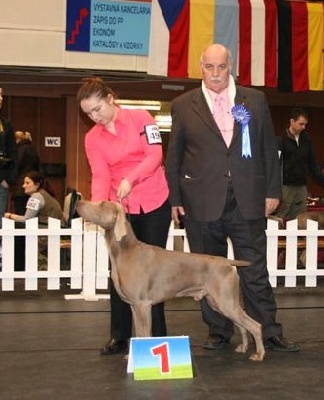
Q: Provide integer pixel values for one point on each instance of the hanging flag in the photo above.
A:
(284, 46)
(315, 45)
(226, 27)
(300, 39)
(271, 36)
(245, 52)
(169, 38)
(201, 29)
(258, 43)
(299, 46)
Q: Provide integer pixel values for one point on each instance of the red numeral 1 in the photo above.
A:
(163, 351)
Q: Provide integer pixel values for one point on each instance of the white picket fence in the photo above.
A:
(88, 267)
(293, 266)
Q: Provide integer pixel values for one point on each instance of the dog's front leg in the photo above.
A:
(142, 316)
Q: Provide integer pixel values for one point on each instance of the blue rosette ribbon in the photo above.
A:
(242, 116)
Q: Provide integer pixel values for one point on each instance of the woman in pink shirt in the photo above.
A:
(124, 150)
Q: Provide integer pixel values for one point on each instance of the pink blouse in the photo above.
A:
(127, 154)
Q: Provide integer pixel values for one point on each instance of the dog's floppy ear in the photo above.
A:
(120, 229)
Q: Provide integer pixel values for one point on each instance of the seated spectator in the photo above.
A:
(40, 204)
(28, 160)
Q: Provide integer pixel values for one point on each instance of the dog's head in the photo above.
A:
(107, 214)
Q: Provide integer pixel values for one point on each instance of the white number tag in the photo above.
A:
(33, 204)
(152, 134)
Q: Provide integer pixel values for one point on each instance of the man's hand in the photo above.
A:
(4, 184)
(270, 206)
(177, 212)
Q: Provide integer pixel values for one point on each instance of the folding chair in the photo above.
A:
(69, 212)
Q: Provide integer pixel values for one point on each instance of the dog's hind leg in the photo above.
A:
(256, 331)
(246, 323)
(234, 311)
(142, 317)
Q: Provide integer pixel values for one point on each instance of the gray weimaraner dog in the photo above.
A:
(145, 275)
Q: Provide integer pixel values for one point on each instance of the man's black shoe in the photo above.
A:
(114, 346)
(215, 342)
(279, 343)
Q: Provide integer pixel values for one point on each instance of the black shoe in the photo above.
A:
(279, 343)
(215, 342)
(114, 346)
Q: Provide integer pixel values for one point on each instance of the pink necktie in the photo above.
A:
(223, 119)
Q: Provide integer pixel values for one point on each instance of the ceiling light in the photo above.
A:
(142, 104)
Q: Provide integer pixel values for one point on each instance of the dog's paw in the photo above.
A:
(241, 348)
(257, 357)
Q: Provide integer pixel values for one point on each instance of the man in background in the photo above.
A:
(298, 160)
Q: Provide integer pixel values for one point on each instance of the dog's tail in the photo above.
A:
(240, 263)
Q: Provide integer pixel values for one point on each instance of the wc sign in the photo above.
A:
(52, 141)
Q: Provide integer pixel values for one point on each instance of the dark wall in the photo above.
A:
(43, 117)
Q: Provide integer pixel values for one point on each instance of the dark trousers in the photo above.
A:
(249, 243)
(20, 248)
(20, 203)
(151, 228)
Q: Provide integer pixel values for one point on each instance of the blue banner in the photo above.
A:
(116, 27)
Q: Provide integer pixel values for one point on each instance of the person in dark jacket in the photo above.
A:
(298, 161)
(28, 160)
(223, 172)
(8, 160)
